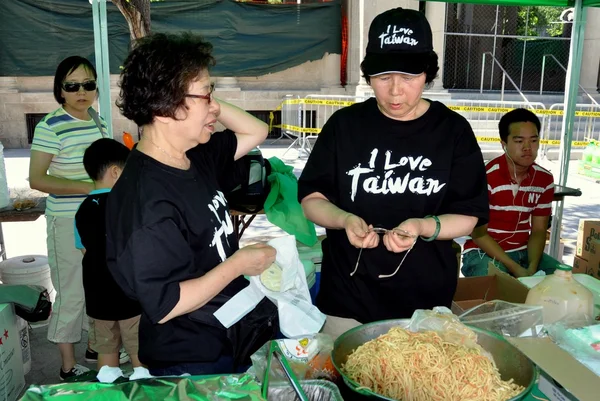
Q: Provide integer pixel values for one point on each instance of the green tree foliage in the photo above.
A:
(541, 21)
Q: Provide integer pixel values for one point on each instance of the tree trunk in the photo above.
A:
(137, 15)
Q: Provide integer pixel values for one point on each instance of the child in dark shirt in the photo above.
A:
(116, 317)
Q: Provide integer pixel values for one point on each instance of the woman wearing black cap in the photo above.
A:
(393, 179)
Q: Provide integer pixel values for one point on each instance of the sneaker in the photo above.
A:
(123, 357)
(75, 371)
(92, 356)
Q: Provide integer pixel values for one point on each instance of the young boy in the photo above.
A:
(116, 317)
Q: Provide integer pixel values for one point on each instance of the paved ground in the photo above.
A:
(29, 239)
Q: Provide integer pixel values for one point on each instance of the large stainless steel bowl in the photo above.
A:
(511, 363)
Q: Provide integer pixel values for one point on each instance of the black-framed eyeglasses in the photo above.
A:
(74, 86)
(205, 97)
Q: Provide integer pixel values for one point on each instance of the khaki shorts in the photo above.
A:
(106, 336)
(68, 310)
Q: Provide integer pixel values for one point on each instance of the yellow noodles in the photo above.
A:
(422, 366)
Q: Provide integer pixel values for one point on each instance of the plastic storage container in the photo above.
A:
(589, 282)
(562, 296)
(596, 155)
(28, 270)
(588, 152)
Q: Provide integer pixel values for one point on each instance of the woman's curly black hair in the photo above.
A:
(158, 72)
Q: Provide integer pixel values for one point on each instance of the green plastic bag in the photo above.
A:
(197, 388)
(282, 207)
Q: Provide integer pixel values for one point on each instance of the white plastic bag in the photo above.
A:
(298, 317)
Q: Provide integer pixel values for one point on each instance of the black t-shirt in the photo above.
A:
(166, 226)
(104, 299)
(387, 171)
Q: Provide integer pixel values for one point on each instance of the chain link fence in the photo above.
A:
(518, 37)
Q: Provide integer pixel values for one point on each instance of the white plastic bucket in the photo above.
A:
(28, 270)
(23, 329)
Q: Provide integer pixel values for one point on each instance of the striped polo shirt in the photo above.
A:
(512, 205)
(67, 138)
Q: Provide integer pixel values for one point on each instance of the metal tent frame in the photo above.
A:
(571, 84)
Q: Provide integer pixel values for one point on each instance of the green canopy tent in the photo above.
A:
(571, 88)
(571, 84)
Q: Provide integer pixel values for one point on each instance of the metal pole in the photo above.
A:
(97, 44)
(494, 49)
(571, 92)
(503, 82)
(106, 108)
(102, 61)
(482, 73)
(524, 49)
(543, 69)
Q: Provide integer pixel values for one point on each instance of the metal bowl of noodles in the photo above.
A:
(511, 363)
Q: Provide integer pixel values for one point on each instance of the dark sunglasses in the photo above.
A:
(205, 97)
(74, 86)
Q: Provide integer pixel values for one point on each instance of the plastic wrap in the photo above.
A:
(445, 323)
(578, 339)
(309, 358)
(506, 319)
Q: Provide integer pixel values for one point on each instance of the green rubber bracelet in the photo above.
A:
(438, 227)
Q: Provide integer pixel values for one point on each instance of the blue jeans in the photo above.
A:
(223, 365)
(475, 262)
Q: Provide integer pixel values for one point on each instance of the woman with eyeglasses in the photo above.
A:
(56, 167)
(171, 243)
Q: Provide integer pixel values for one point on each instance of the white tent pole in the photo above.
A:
(571, 94)
(102, 61)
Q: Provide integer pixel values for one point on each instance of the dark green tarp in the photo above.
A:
(248, 39)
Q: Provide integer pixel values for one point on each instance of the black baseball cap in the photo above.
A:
(400, 40)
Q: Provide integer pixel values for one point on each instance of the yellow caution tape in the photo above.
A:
(469, 109)
(301, 129)
(341, 103)
(507, 109)
(488, 139)
(552, 142)
(472, 109)
(481, 109)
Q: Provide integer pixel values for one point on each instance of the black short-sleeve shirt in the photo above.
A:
(104, 299)
(165, 226)
(387, 171)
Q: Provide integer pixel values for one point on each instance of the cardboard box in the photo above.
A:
(574, 377)
(12, 379)
(553, 390)
(473, 291)
(590, 267)
(589, 230)
(571, 375)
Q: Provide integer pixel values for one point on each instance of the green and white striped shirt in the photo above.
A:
(67, 138)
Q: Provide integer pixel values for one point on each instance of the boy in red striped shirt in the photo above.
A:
(521, 194)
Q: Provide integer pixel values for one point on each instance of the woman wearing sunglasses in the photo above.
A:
(56, 167)
(170, 239)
